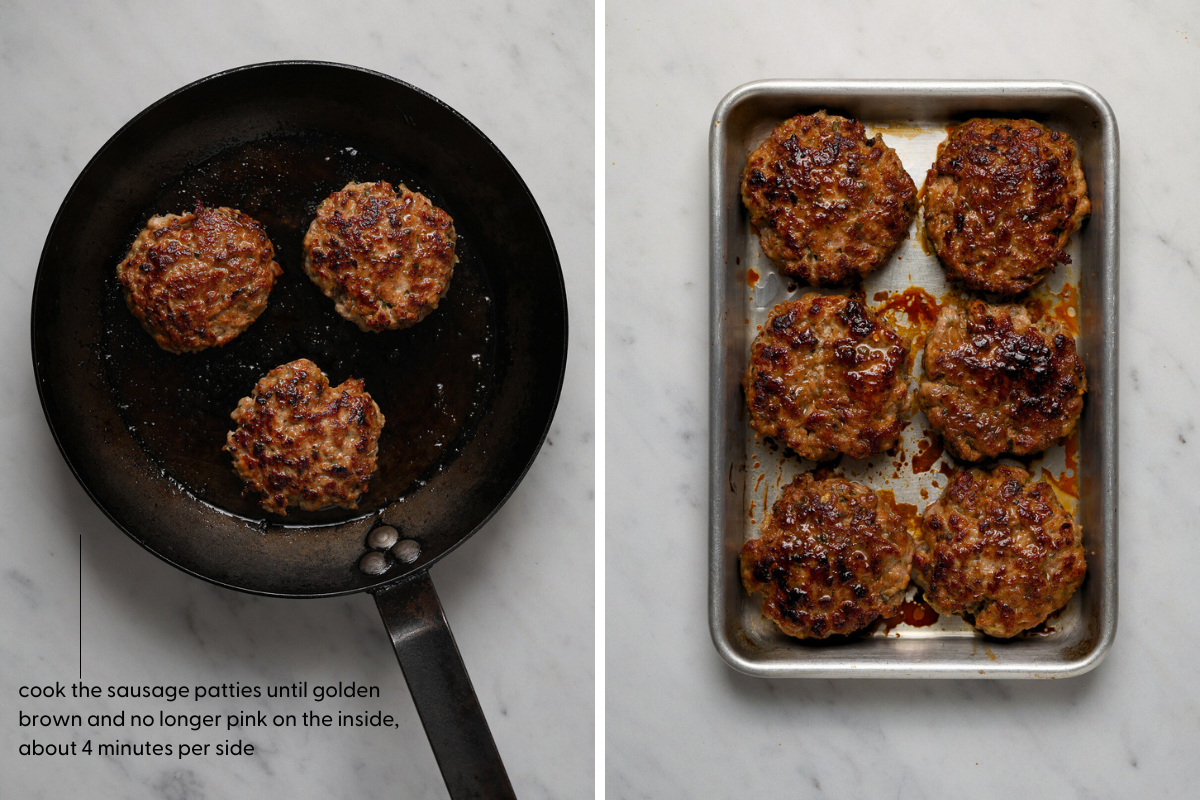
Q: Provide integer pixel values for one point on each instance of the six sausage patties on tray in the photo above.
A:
(826, 377)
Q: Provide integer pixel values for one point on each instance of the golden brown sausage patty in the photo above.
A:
(197, 280)
(385, 256)
(827, 377)
(997, 382)
(833, 556)
(999, 548)
(300, 441)
(1001, 200)
(830, 205)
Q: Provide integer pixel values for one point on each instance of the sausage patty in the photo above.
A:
(300, 441)
(833, 556)
(830, 205)
(997, 382)
(999, 549)
(197, 280)
(1001, 200)
(385, 256)
(827, 377)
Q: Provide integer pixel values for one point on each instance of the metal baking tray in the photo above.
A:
(745, 472)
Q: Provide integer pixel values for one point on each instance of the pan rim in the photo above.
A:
(558, 291)
(982, 93)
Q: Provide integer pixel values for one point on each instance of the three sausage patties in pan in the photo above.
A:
(200, 279)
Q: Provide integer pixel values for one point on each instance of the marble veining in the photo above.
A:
(680, 723)
(518, 595)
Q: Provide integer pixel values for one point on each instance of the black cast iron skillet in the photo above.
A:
(468, 393)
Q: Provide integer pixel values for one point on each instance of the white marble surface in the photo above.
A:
(680, 723)
(518, 595)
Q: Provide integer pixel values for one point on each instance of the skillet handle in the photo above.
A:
(441, 690)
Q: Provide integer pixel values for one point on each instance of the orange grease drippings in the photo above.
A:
(1068, 302)
(1064, 310)
(929, 450)
(1071, 456)
(918, 305)
(1067, 482)
(752, 277)
(1064, 484)
(912, 313)
(915, 613)
(907, 511)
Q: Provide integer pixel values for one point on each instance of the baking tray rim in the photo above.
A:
(1107, 450)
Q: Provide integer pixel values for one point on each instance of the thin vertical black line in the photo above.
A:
(81, 608)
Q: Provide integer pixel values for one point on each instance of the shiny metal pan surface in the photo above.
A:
(747, 471)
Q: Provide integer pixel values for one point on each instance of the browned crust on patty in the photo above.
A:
(1000, 202)
(833, 556)
(996, 381)
(197, 280)
(825, 377)
(385, 256)
(300, 441)
(830, 205)
(998, 548)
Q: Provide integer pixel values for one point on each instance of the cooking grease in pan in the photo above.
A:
(432, 381)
